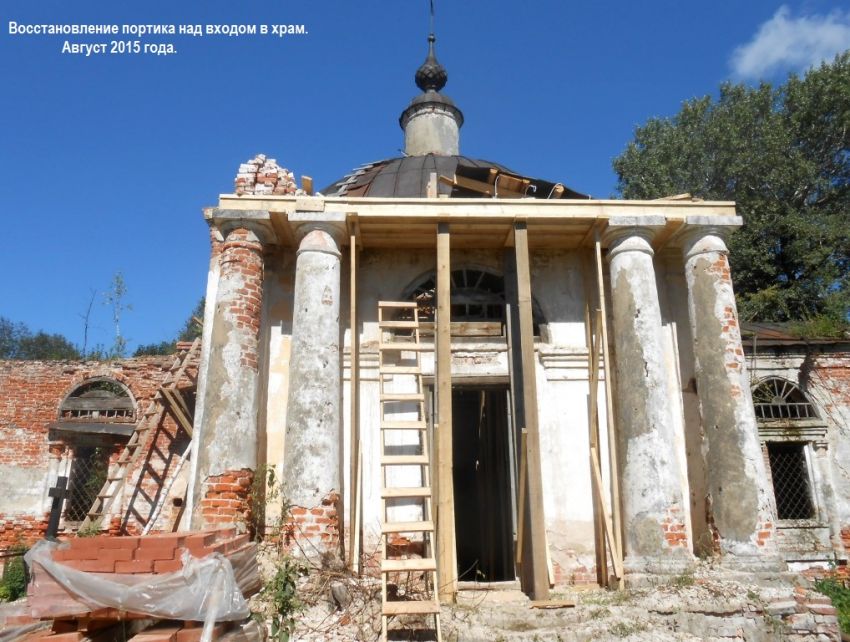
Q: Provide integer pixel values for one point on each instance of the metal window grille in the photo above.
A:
(88, 474)
(791, 483)
(776, 398)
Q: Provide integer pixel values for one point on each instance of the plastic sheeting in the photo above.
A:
(204, 590)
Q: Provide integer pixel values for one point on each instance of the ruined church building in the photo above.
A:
(462, 372)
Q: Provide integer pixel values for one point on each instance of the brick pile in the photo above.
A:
(263, 176)
(151, 555)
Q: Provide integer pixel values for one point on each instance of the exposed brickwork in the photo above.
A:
(262, 175)
(674, 530)
(313, 530)
(30, 396)
(242, 260)
(227, 499)
(765, 533)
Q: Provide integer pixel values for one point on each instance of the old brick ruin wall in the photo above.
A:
(32, 454)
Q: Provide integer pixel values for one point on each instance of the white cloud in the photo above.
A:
(786, 43)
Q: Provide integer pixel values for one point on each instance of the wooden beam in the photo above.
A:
(307, 184)
(488, 189)
(593, 335)
(597, 475)
(354, 400)
(174, 405)
(616, 508)
(536, 528)
(446, 553)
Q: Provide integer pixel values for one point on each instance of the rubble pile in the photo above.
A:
(262, 176)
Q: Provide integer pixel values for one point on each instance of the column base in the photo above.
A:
(312, 532)
(650, 571)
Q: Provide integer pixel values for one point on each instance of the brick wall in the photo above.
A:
(31, 454)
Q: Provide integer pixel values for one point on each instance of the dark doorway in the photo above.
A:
(483, 457)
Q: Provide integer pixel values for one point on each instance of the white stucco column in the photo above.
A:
(313, 438)
(655, 538)
(740, 506)
(227, 432)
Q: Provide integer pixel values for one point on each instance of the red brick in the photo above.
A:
(134, 566)
(167, 566)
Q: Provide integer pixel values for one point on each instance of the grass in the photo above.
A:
(836, 590)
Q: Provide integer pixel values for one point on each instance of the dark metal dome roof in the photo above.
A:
(407, 177)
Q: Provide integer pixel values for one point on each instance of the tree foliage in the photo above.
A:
(783, 154)
(192, 329)
(17, 341)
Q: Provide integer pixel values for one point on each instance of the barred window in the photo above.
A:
(776, 398)
(88, 474)
(791, 485)
(98, 400)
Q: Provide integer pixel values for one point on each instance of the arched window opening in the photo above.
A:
(98, 400)
(776, 398)
(477, 295)
(785, 415)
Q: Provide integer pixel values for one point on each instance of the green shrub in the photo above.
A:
(13, 584)
(282, 592)
(834, 589)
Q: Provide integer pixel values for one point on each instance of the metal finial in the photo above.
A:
(431, 76)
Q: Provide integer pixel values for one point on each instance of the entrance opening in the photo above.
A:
(484, 461)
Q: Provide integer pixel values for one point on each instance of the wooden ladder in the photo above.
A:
(400, 355)
(156, 408)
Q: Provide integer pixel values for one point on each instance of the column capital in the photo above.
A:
(318, 231)
(707, 234)
(631, 234)
(258, 231)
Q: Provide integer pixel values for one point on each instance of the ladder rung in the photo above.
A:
(416, 564)
(417, 491)
(402, 396)
(404, 460)
(410, 325)
(412, 607)
(403, 425)
(413, 370)
(397, 304)
(407, 527)
(398, 345)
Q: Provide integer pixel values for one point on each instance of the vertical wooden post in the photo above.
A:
(609, 412)
(354, 508)
(536, 526)
(446, 553)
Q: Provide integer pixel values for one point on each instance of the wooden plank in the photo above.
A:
(413, 491)
(354, 400)
(445, 513)
(307, 185)
(551, 604)
(397, 324)
(488, 189)
(402, 396)
(397, 304)
(404, 460)
(467, 328)
(609, 413)
(410, 607)
(407, 527)
(358, 508)
(174, 405)
(401, 424)
(609, 527)
(537, 523)
(414, 564)
(408, 347)
(402, 370)
(520, 527)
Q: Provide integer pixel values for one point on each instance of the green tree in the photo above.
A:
(783, 154)
(18, 342)
(192, 329)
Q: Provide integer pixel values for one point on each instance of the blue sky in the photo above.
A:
(107, 161)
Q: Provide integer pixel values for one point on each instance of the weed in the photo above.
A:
(839, 593)
(282, 594)
(682, 581)
(625, 629)
(15, 577)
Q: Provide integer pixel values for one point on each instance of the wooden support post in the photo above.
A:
(536, 526)
(354, 506)
(592, 333)
(446, 553)
(617, 525)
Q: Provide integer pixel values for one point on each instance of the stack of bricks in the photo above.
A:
(263, 176)
(150, 555)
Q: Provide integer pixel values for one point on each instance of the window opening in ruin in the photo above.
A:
(791, 484)
(88, 474)
(477, 295)
(98, 400)
(776, 398)
(483, 461)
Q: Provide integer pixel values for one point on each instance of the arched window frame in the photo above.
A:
(787, 418)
